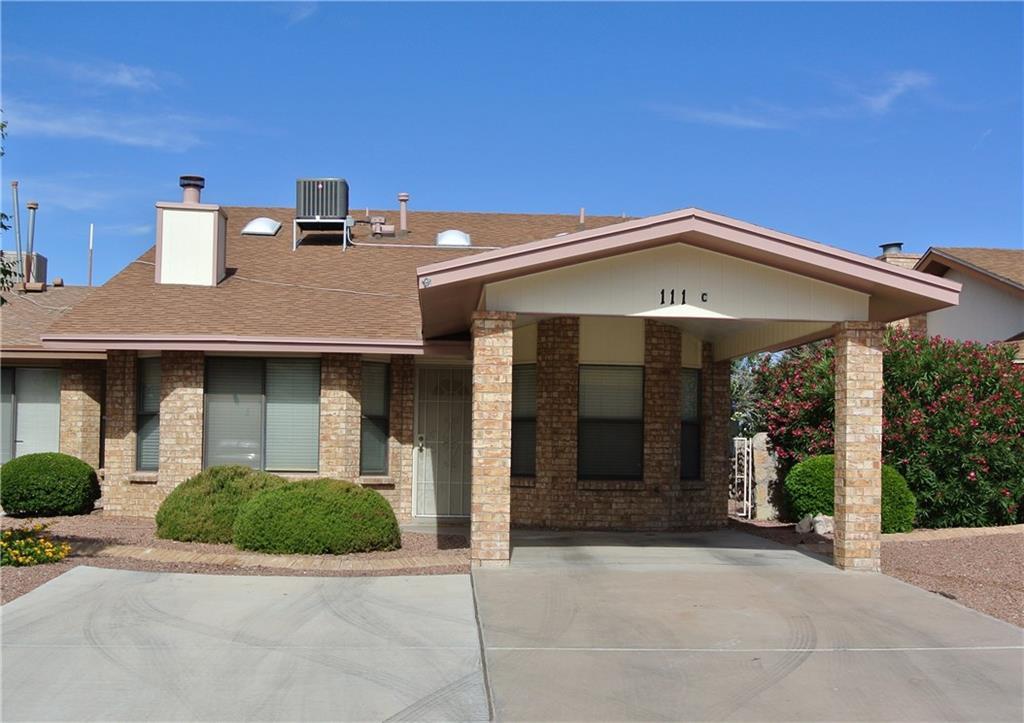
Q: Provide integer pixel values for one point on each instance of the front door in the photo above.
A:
(441, 465)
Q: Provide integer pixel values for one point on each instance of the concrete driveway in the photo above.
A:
(727, 626)
(98, 644)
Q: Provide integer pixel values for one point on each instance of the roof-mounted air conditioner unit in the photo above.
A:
(321, 204)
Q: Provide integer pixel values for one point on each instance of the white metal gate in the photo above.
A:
(741, 490)
(441, 466)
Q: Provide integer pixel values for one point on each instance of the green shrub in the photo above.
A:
(315, 517)
(48, 483)
(810, 490)
(953, 422)
(203, 508)
(26, 546)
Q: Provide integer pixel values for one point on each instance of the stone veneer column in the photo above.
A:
(558, 380)
(181, 418)
(119, 441)
(492, 437)
(858, 445)
(662, 409)
(402, 413)
(341, 382)
(81, 402)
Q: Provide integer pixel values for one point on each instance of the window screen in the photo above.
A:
(147, 414)
(690, 466)
(373, 452)
(234, 411)
(611, 434)
(524, 420)
(293, 415)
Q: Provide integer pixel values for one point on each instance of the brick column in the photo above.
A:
(662, 407)
(858, 446)
(81, 401)
(402, 414)
(558, 380)
(119, 452)
(492, 437)
(181, 418)
(716, 396)
(341, 382)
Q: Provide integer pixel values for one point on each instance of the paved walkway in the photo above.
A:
(322, 563)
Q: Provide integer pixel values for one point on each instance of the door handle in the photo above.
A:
(419, 441)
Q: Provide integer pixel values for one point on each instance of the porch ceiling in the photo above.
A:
(821, 284)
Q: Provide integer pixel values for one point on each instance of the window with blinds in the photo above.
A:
(690, 460)
(147, 414)
(524, 420)
(611, 427)
(6, 414)
(376, 402)
(263, 413)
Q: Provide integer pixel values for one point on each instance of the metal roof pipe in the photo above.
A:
(891, 248)
(403, 212)
(191, 186)
(31, 273)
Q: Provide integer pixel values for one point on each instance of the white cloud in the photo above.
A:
(125, 229)
(74, 192)
(166, 132)
(99, 74)
(897, 85)
(729, 119)
(296, 12)
(760, 115)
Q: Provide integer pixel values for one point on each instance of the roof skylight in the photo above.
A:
(261, 226)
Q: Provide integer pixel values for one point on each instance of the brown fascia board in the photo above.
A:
(936, 262)
(911, 292)
(256, 344)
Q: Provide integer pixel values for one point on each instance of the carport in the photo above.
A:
(689, 290)
(727, 626)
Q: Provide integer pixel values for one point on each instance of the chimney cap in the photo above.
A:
(890, 248)
(192, 182)
(32, 205)
(403, 196)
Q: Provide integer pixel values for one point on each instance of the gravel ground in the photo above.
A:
(984, 572)
(16, 581)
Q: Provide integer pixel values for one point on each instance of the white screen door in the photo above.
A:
(37, 410)
(443, 441)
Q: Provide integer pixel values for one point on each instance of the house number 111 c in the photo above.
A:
(668, 296)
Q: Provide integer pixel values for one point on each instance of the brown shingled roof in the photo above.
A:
(25, 316)
(1004, 264)
(366, 292)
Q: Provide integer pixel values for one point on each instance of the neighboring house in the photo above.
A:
(991, 308)
(50, 400)
(534, 370)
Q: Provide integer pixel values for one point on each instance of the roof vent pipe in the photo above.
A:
(891, 248)
(191, 188)
(403, 212)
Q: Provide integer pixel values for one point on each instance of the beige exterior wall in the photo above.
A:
(81, 403)
(985, 313)
(717, 287)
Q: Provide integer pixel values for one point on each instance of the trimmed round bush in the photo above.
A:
(203, 508)
(315, 517)
(810, 490)
(48, 483)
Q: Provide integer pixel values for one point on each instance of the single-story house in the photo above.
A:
(991, 308)
(512, 369)
(50, 401)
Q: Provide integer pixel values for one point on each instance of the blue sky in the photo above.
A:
(852, 124)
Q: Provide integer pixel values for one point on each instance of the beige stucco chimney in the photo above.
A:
(190, 238)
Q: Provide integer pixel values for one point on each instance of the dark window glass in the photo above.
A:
(611, 428)
(373, 446)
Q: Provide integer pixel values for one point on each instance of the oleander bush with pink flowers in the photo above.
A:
(953, 422)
